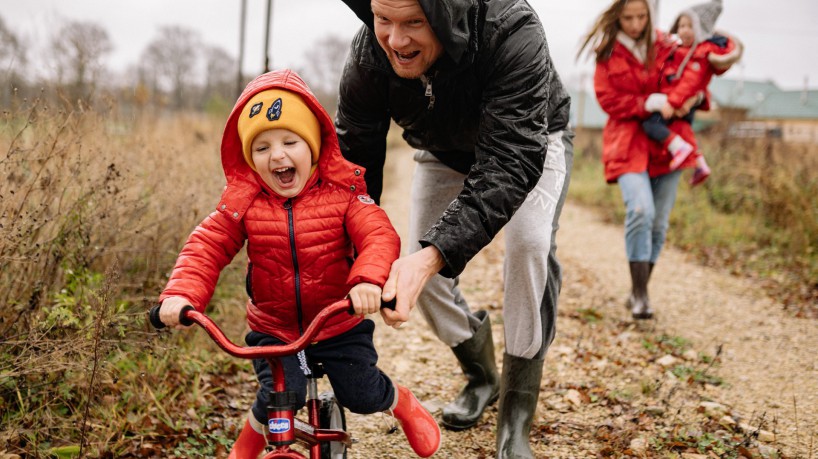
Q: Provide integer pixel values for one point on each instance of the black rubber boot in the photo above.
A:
(639, 303)
(519, 390)
(476, 357)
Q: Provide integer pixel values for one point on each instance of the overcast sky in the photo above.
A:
(781, 38)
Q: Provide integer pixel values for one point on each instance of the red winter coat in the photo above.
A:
(300, 250)
(622, 84)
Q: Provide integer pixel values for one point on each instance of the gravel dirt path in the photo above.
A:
(607, 389)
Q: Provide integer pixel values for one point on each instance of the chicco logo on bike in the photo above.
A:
(278, 425)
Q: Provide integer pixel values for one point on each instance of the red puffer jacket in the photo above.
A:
(695, 77)
(301, 249)
(698, 71)
(622, 84)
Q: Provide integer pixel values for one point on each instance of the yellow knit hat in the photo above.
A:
(278, 109)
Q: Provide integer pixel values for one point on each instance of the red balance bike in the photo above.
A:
(324, 434)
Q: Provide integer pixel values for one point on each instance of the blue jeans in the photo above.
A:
(648, 202)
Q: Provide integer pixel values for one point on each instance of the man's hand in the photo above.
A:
(366, 298)
(170, 309)
(406, 280)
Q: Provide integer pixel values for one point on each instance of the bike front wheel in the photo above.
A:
(331, 416)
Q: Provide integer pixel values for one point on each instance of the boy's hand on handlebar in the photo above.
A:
(366, 298)
(407, 278)
(171, 308)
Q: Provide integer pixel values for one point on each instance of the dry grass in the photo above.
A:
(93, 209)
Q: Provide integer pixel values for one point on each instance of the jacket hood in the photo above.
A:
(703, 17)
(453, 21)
(243, 183)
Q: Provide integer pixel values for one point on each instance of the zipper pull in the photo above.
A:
(288, 204)
(428, 82)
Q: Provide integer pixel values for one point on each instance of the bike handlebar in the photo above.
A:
(189, 316)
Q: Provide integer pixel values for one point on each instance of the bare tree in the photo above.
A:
(322, 71)
(12, 54)
(12, 63)
(219, 77)
(78, 48)
(171, 58)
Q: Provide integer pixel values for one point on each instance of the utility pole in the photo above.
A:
(240, 76)
(267, 60)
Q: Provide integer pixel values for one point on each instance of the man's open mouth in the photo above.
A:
(406, 56)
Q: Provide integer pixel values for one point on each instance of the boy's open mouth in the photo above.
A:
(285, 174)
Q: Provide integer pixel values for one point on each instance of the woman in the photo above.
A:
(629, 55)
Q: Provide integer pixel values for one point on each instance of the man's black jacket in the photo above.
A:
(495, 95)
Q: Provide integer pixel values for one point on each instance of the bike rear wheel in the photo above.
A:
(331, 416)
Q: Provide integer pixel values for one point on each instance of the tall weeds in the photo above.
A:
(93, 209)
(757, 215)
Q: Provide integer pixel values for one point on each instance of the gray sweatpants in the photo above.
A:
(531, 271)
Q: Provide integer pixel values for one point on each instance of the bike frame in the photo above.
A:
(283, 429)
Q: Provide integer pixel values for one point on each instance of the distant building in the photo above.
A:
(792, 113)
(586, 112)
(735, 98)
(746, 109)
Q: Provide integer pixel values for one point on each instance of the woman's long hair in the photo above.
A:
(602, 35)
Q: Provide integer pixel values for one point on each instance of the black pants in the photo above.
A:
(349, 360)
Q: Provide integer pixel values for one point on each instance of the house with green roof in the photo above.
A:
(762, 109)
(743, 108)
(586, 112)
(740, 95)
(793, 113)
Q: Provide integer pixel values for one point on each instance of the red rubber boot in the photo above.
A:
(418, 425)
(249, 444)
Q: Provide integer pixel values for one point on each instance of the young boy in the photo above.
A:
(304, 212)
(701, 54)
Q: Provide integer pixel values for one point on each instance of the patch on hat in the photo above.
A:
(274, 112)
(256, 109)
(364, 198)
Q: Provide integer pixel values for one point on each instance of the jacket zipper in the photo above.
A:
(288, 206)
(428, 93)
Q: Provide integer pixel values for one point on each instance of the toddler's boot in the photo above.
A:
(418, 425)
(250, 442)
(701, 172)
(680, 150)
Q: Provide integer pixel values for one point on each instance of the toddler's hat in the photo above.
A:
(278, 109)
(703, 16)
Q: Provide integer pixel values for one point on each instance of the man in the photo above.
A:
(472, 85)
